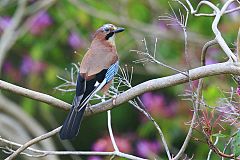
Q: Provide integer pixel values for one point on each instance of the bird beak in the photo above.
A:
(117, 30)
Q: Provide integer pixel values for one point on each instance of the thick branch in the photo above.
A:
(197, 73)
(34, 95)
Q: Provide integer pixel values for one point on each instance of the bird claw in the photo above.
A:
(114, 100)
(89, 107)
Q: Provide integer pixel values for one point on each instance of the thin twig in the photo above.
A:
(137, 103)
(49, 134)
(218, 14)
(151, 58)
(197, 101)
(238, 45)
(226, 145)
(43, 153)
(110, 131)
(204, 50)
(210, 151)
(31, 142)
(140, 106)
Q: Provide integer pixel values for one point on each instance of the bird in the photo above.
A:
(97, 70)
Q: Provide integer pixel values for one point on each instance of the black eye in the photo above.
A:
(106, 29)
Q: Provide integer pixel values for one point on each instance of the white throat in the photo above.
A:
(112, 40)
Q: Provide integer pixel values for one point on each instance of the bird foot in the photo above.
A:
(89, 107)
(114, 100)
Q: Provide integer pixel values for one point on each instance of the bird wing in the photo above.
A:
(85, 90)
(96, 60)
(111, 72)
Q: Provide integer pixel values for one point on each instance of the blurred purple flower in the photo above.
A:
(12, 72)
(123, 144)
(232, 5)
(151, 100)
(176, 27)
(74, 40)
(7, 66)
(147, 148)
(233, 15)
(30, 66)
(210, 61)
(161, 25)
(171, 109)
(105, 144)
(238, 90)
(26, 66)
(4, 23)
(156, 105)
(213, 51)
(94, 158)
(39, 23)
(212, 55)
(101, 145)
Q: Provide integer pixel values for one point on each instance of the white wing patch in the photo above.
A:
(96, 84)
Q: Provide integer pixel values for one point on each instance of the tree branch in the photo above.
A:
(30, 124)
(218, 14)
(238, 44)
(33, 141)
(34, 95)
(43, 153)
(154, 84)
(196, 103)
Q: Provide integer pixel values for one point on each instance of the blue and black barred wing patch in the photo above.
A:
(112, 71)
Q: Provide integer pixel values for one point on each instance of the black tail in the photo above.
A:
(84, 91)
(72, 123)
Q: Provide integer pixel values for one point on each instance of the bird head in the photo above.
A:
(107, 33)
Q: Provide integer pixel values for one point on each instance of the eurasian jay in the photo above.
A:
(97, 69)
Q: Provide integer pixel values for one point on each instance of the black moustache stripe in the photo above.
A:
(109, 35)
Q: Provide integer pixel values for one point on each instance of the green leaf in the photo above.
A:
(236, 144)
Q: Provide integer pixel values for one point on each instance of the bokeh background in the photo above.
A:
(54, 34)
